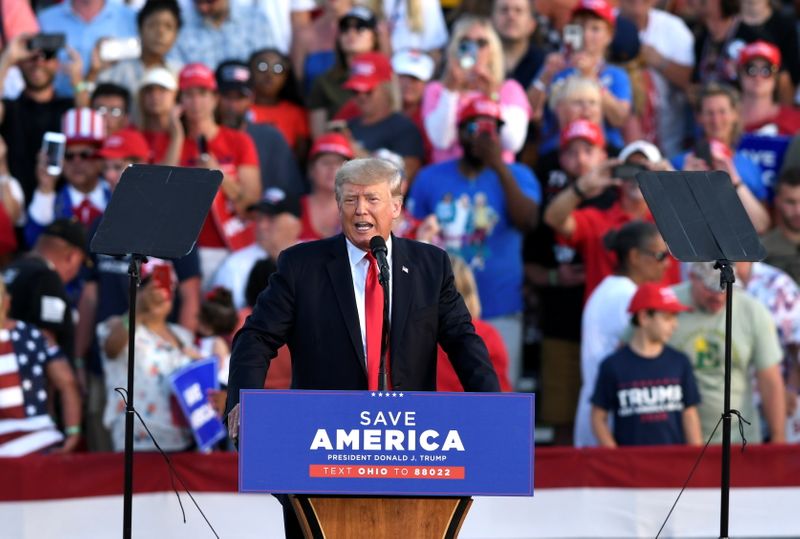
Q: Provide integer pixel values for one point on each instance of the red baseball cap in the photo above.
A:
(584, 130)
(760, 49)
(124, 144)
(367, 71)
(335, 143)
(600, 8)
(652, 296)
(197, 76)
(480, 106)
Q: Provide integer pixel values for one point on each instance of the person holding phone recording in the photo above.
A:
(586, 42)
(37, 100)
(473, 67)
(718, 114)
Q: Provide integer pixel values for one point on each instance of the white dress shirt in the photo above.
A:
(359, 264)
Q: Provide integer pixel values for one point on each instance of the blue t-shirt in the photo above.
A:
(646, 396)
(476, 226)
(612, 78)
(749, 171)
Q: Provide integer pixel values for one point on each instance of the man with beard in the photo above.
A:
(483, 206)
(783, 241)
(36, 111)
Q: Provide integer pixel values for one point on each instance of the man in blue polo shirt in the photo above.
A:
(84, 22)
(483, 207)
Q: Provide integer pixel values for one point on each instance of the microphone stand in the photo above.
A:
(383, 376)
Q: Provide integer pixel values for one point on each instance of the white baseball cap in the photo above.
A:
(416, 64)
(159, 76)
(647, 149)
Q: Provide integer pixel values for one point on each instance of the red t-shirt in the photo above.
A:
(232, 149)
(287, 117)
(307, 230)
(446, 377)
(159, 142)
(591, 225)
(787, 121)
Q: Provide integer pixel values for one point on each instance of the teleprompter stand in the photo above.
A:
(702, 219)
(155, 211)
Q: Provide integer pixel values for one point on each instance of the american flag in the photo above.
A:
(25, 426)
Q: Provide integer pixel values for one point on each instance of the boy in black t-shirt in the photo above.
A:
(648, 387)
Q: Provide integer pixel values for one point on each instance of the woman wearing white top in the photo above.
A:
(642, 257)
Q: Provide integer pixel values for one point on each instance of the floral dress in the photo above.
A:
(156, 359)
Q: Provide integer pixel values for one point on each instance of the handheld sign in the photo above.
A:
(417, 443)
(768, 153)
(190, 385)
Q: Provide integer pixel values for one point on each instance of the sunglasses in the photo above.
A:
(467, 43)
(84, 155)
(114, 112)
(353, 24)
(42, 55)
(476, 127)
(755, 70)
(660, 256)
(277, 68)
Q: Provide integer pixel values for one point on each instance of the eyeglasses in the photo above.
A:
(353, 24)
(476, 127)
(660, 256)
(114, 112)
(764, 70)
(84, 155)
(466, 43)
(263, 67)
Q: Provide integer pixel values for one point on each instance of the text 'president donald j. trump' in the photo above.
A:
(325, 303)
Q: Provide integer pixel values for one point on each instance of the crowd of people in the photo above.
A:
(520, 126)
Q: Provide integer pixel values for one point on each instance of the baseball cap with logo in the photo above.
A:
(159, 76)
(760, 49)
(83, 126)
(655, 297)
(599, 8)
(480, 106)
(126, 143)
(276, 201)
(649, 150)
(69, 230)
(583, 130)
(197, 76)
(414, 64)
(367, 71)
(233, 75)
(335, 143)
(361, 15)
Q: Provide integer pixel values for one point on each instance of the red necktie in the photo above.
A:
(373, 295)
(86, 212)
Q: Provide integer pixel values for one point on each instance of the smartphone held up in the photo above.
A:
(53, 146)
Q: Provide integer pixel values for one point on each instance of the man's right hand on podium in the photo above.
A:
(233, 423)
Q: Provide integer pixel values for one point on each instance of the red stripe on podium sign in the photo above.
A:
(386, 472)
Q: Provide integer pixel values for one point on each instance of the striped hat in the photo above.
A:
(83, 125)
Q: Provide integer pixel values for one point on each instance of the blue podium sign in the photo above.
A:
(386, 443)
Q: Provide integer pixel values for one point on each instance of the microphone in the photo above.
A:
(378, 247)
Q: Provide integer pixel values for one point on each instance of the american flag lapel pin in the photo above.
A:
(405, 269)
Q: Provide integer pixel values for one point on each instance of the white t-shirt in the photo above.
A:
(673, 40)
(605, 319)
(434, 31)
(235, 270)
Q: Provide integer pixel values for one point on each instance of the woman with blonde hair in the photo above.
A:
(446, 379)
(473, 66)
(413, 25)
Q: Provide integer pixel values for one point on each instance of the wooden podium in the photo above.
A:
(333, 517)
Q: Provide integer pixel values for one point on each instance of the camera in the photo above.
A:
(627, 171)
(47, 42)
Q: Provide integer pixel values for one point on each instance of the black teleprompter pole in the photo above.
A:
(727, 279)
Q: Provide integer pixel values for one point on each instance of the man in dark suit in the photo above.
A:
(315, 303)
(319, 303)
